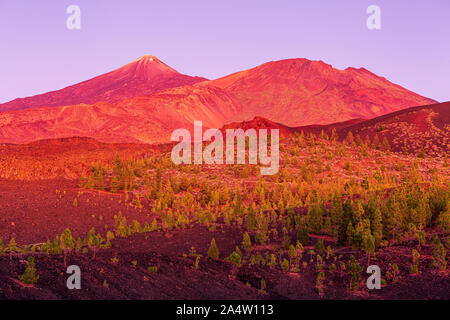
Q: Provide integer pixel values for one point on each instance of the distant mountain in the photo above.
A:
(299, 92)
(144, 101)
(261, 123)
(141, 77)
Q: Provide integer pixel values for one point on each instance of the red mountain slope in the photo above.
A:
(298, 92)
(141, 77)
(147, 119)
(423, 129)
(414, 130)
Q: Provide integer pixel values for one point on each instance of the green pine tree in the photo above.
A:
(315, 219)
(302, 236)
(67, 243)
(354, 271)
(439, 254)
(29, 276)
(319, 246)
(246, 242)
(415, 262)
(114, 186)
(213, 251)
(2, 247)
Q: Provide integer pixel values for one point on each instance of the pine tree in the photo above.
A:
(2, 247)
(246, 242)
(439, 254)
(239, 252)
(56, 246)
(350, 233)
(397, 218)
(100, 181)
(376, 142)
(29, 276)
(319, 282)
(90, 182)
(12, 247)
(117, 166)
(136, 227)
(93, 241)
(386, 146)
(346, 221)
(336, 213)
(377, 226)
(235, 258)
(333, 134)
(154, 225)
(359, 141)
(367, 141)
(285, 265)
(213, 251)
(387, 219)
(315, 219)
(319, 246)
(328, 227)
(67, 243)
(368, 242)
(302, 235)
(292, 254)
(263, 285)
(319, 263)
(354, 271)
(415, 262)
(299, 248)
(349, 139)
(114, 186)
(358, 213)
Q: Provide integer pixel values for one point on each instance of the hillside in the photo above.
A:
(424, 129)
(141, 77)
(300, 92)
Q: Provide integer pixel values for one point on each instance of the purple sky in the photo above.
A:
(214, 38)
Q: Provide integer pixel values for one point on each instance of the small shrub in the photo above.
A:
(235, 258)
(213, 251)
(152, 269)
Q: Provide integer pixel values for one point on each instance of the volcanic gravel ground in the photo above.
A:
(35, 211)
(177, 277)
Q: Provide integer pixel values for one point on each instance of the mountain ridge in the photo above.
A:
(141, 77)
(289, 91)
(292, 92)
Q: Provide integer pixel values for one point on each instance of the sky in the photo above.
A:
(211, 38)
